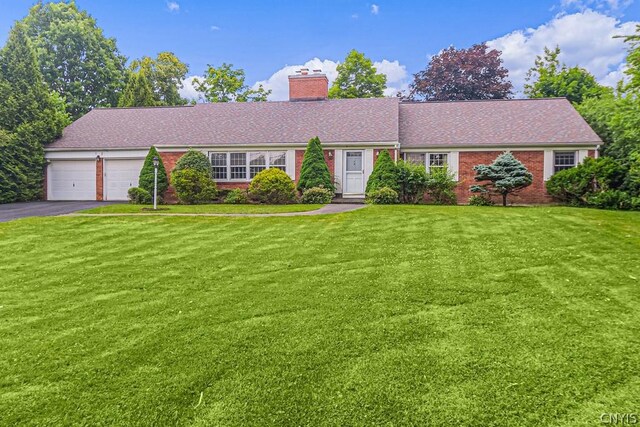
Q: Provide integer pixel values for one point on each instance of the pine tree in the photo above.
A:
(30, 116)
(506, 175)
(138, 92)
(146, 178)
(314, 171)
(384, 174)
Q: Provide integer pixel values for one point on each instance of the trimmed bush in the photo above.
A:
(441, 186)
(476, 200)
(195, 160)
(383, 196)
(272, 186)
(610, 199)
(314, 171)
(576, 185)
(236, 197)
(139, 196)
(193, 187)
(317, 195)
(412, 181)
(145, 180)
(384, 174)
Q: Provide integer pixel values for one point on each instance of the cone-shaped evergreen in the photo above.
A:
(30, 116)
(146, 174)
(506, 175)
(314, 171)
(384, 174)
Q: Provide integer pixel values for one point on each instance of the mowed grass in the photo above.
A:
(201, 209)
(403, 315)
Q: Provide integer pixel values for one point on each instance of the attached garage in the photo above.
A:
(71, 180)
(119, 176)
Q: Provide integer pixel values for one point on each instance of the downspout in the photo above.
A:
(597, 151)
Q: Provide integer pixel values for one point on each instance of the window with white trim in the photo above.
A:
(563, 160)
(438, 160)
(243, 166)
(219, 166)
(429, 160)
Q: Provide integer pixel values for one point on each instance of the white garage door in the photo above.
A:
(120, 176)
(71, 180)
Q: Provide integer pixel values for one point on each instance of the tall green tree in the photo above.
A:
(138, 92)
(633, 60)
(76, 59)
(548, 78)
(358, 78)
(314, 171)
(226, 84)
(165, 74)
(506, 175)
(30, 116)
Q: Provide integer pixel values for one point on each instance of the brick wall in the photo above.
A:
(99, 178)
(169, 159)
(309, 87)
(329, 157)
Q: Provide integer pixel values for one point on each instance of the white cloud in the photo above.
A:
(173, 6)
(215, 28)
(188, 91)
(279, 81)
(354, 16)
(375, 9)
(585, 39)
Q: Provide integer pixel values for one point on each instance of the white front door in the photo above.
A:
(120, 176)
(353, 173)
(71, 180)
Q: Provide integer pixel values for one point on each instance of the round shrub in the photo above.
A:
(193, 159)
(317, 195)
(139, 196)
(610, 199)
(193, 186)
(476, 200)
(272, 186)
(383, 196)
(236, 197)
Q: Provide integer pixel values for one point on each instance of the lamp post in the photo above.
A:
(155, 182)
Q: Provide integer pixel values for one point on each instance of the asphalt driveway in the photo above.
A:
(11, 211)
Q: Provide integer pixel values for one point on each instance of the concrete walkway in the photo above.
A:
(327, 209)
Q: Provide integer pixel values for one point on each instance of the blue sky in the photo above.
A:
(264, 37)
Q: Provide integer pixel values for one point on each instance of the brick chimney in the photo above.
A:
(305, 86)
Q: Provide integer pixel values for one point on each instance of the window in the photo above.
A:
(416, 158)
(219, 165)
(278, 159)
(238, 165)
(563, 160)
(257, 163)
(437, 160)
(244, 166)
(430, 160)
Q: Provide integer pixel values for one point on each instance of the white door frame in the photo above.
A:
(345, 174)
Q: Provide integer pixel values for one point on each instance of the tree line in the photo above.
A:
(57, 65)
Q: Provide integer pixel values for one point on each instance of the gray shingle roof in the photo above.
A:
(344, 120)
(495, 122)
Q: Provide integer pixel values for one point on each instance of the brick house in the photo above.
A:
(100, 155)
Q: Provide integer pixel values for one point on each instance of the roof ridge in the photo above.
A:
(553, 98)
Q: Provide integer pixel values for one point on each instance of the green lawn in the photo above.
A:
(202, 209)
(400, 315)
